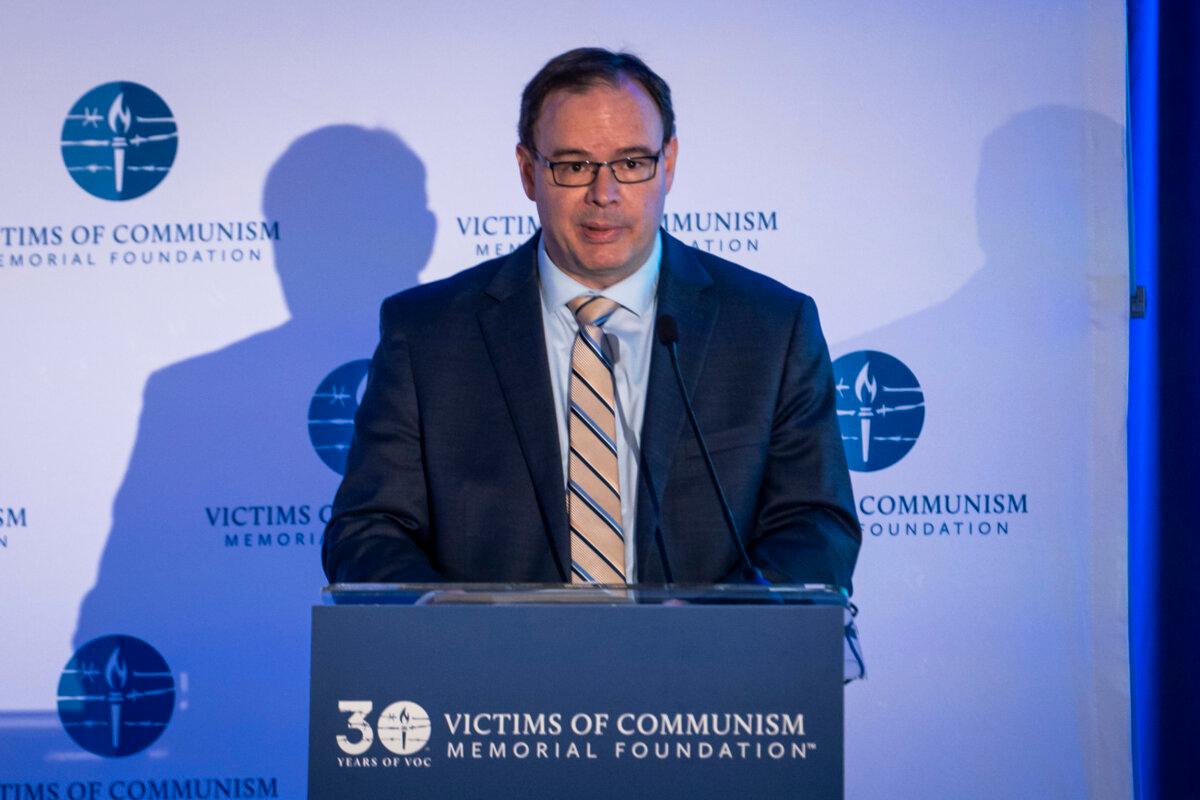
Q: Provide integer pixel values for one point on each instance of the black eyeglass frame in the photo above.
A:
(596, 165)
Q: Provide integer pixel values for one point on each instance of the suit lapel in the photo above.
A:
(515, 339)
(681, 294)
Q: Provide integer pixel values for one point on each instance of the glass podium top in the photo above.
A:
(558, 593)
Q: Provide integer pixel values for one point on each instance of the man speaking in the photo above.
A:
(524, 421)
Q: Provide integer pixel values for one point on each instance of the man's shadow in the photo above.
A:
(224, 597)
(1007, 365)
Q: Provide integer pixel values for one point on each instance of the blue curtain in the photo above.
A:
(1164, 413)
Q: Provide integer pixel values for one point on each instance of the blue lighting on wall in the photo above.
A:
(1142, 111)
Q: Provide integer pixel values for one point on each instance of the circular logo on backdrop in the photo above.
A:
(880, 409)
(331, 412)
(119, 141)
(115, 696)
(403, 727)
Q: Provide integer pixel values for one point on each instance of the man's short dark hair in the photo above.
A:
(582, 68)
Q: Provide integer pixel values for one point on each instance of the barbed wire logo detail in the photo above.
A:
(880, 409)
(119, 141)
(116, 696)
(403, 727)
(331, 413)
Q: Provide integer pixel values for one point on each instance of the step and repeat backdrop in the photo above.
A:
(202, 206)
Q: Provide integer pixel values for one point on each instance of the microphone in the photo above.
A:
(668, 333)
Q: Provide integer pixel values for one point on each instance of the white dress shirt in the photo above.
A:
(630, 335)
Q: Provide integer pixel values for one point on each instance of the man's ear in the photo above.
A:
(526, 165)
(669, 153)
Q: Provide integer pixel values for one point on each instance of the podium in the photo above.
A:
(563, 691)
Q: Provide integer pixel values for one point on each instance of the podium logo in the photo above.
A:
(403, 727)
(116, 696)
(119, 140)
(331, 413)
(880, 409)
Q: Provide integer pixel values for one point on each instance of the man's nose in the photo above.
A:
(605, 189)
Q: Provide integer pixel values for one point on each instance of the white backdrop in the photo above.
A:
(946, 179)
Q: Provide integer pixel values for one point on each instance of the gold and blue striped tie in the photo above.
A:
(593, 482)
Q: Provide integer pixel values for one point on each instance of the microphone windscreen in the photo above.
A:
(668, 331)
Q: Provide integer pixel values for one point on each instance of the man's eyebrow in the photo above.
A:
(584, 155)
(637, 150)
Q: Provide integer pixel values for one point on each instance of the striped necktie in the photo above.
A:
(593, 482)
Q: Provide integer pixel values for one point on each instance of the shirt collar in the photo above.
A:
(635, 293)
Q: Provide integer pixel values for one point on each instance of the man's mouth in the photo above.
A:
(601, 233)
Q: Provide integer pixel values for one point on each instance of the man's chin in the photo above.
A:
(608, 272)
(600, 266)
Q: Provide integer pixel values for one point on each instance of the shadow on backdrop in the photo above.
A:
(214, 554)
(1007, 365)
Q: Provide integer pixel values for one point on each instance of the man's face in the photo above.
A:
(598, 234)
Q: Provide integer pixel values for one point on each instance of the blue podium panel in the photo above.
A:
(566, 701)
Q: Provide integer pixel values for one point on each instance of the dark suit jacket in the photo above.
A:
(455, 472)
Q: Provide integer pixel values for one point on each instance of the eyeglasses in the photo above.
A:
(630, 169)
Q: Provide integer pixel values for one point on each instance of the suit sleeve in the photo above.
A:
(807, 528)
(380, 530)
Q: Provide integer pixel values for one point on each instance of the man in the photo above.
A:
(522, 422)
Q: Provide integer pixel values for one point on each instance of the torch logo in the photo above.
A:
(331, 413)
(115, 696)
(119, 141)
(403, 727)
(880, 408)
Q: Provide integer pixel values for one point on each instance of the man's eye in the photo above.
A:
(629, 163)
(577, 166)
